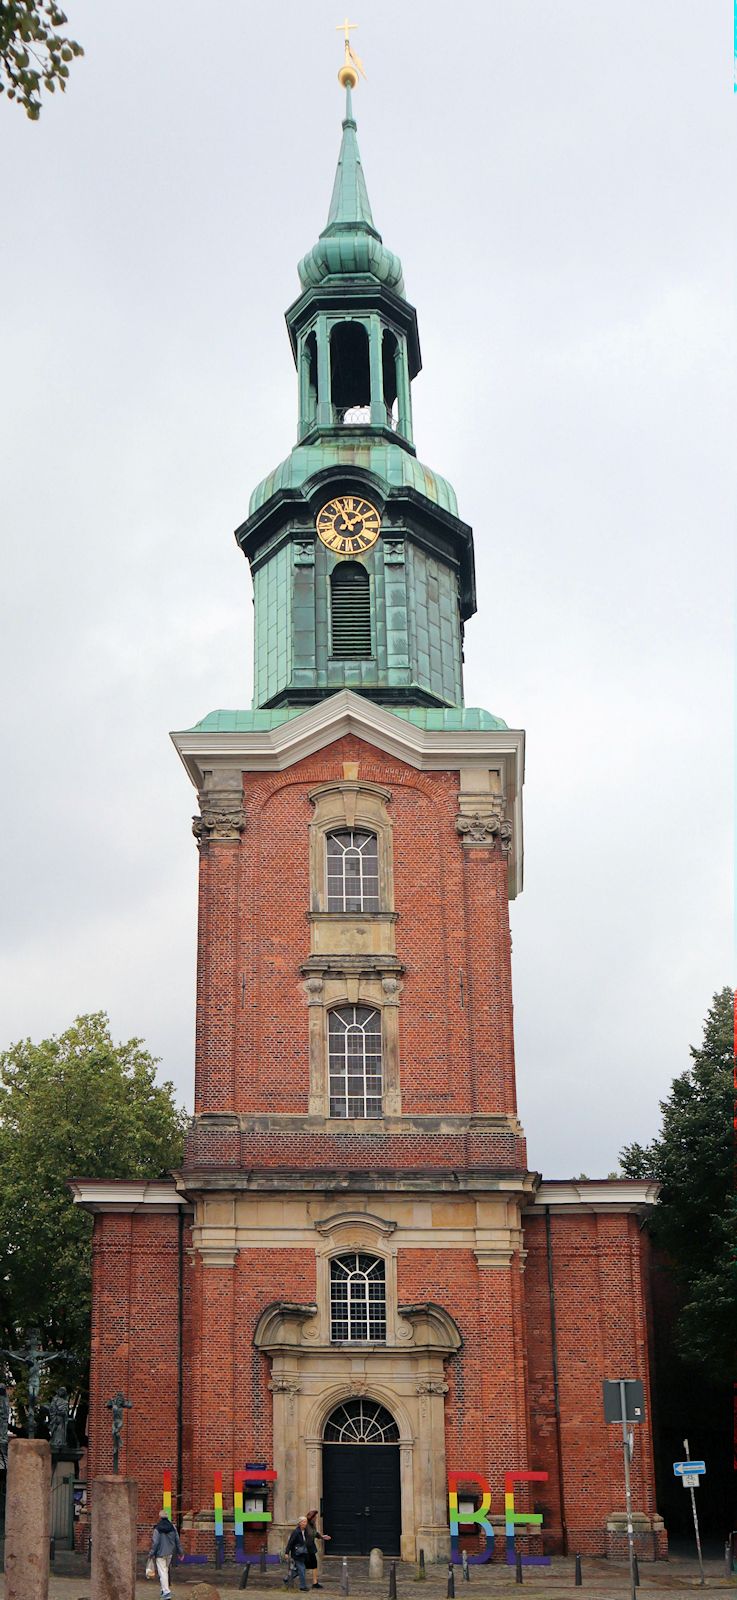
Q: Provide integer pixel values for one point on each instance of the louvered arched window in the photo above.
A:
(350, 611)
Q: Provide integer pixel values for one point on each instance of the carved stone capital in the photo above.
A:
(314, 991)
(221, 810)
(280, 1385)
(432, 1386)
(482, 821)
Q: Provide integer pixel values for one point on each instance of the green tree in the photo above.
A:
(695, 1221)
(76, 1105)
(33, 54)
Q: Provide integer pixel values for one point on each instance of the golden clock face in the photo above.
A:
(348, 525)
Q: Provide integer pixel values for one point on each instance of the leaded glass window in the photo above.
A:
(353, 871)
(354, 1061)
(357, 1298)
(360, 1422)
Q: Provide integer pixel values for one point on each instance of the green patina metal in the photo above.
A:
(356, 348)
(350, 244)
(388, 460)
(440, 719)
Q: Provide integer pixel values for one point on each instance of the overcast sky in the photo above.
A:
(557, 177)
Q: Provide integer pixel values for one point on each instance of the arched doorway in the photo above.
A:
(360, 1479)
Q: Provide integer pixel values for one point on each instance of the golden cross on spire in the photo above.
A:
(352, 65)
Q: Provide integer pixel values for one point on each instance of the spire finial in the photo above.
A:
(352, 64)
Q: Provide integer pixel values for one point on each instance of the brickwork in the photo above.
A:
(601, 1331)
(135, 1346)
(456, 1069)
(365, 1150)
(452, 938)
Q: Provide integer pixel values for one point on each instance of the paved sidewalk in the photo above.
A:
(672, 1580)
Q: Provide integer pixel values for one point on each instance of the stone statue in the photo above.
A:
(34, 1358)
(118, 1405)
(58, 1421)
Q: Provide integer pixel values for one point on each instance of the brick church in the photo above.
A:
(356, 1281)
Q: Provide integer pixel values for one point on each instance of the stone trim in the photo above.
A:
(275, 750)
(222, 816)
(482, 821)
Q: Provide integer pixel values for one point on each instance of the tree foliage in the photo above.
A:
(76, 1105)
(33, 54)
(695, 1221)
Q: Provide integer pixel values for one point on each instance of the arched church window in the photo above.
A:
(357, 1299)
(354, 1061)
(350, 376)
(360, 1422)
(350, 611)
(353, 871)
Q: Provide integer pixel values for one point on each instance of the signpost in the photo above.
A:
(624, 1401)
(689, 1473)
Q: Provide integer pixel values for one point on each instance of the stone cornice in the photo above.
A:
(597, 1194)
(276, 749)
(122, 1194)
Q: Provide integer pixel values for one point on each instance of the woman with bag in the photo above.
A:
(297, 1551)
(164, 1544)
(312, 1534)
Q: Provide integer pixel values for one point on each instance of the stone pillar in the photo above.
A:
(114, 1518)
(28, 1520)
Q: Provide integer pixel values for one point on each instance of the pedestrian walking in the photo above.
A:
(164, 1544)
(312, 1534)
(296, 1551)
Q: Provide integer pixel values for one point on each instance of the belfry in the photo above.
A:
(356, 1282)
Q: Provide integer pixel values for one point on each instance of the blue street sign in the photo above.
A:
(683, 1469)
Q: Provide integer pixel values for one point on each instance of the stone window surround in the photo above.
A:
(349, 804)
(329, 991)
(353, 960)
(372, 1236)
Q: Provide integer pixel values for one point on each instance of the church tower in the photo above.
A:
(355, 1249)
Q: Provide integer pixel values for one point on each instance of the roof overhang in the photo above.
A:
(565, 1196)
(276, 749)
(126, 1195)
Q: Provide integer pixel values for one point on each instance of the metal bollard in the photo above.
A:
(218, 1553)
(518, 1576)
(262, 1558)
(393, 1581)
(52, 1550)
(578, 1581)
(89, 1552)
(728, 1558)
(636, 1569)
(344, 1584)
(451, 1582)
(466, 1568)
(245, 1576)
(421, 1573)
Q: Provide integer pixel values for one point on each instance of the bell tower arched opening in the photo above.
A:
(350, 374)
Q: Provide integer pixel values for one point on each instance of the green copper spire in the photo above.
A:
(350, 205)
(350, 244)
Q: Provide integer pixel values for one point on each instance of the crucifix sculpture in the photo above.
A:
(35, 1359)
(118, 1405)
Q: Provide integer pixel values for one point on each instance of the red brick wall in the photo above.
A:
(252, 1043)
(601, 1333)
(135, 1348)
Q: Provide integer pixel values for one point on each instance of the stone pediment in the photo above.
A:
(351, 1223)
(433, 1328)
(281, 1324)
